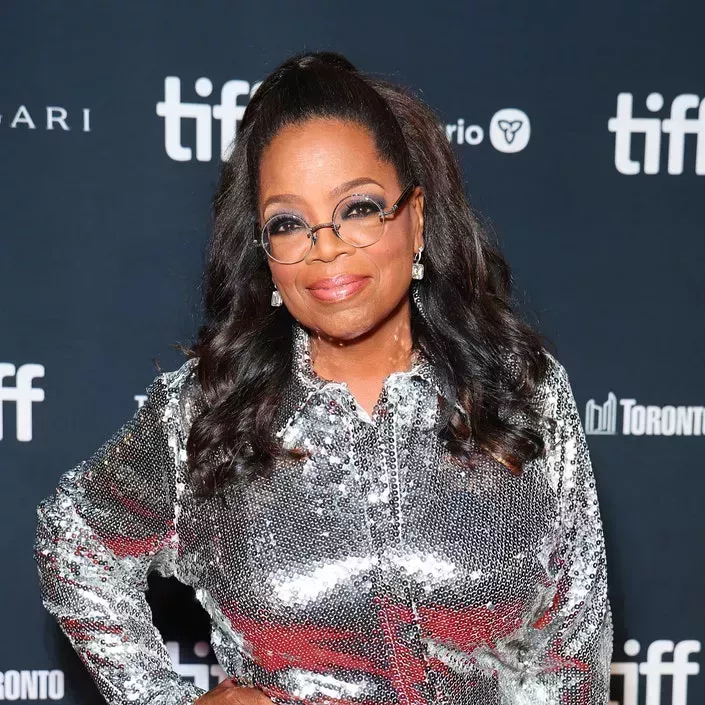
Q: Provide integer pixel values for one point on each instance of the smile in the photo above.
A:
(338, 288)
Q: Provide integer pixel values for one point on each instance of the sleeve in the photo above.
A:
(109, 523)
(567, 661)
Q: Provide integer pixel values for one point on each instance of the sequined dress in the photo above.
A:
(375, 572)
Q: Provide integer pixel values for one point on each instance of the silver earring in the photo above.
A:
(276, 297)
(417, 267)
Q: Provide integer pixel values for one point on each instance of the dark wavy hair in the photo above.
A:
(490, 361)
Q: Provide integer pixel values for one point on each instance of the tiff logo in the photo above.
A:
(655, 670)
(677, 126)
(22, 394)
(228, 112)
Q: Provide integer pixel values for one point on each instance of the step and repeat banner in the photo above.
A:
(581, 132)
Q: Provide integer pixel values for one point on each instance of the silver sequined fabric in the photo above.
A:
(377, 571)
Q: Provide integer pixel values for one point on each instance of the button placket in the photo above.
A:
(405, 418)
(376, 457)
(376, 460)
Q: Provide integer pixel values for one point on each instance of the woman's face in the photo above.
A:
(306, 169)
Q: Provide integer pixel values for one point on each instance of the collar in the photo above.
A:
(313, 384)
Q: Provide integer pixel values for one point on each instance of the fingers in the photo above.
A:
(228, 692)
(260, 698)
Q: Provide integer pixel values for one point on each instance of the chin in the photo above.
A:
(344, 327)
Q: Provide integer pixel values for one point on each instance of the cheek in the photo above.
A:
(285, 277)
(388, 261)
(392, 257)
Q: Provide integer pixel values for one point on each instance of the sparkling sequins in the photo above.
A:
(375, 571)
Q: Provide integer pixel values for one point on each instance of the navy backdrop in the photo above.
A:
(581, 132)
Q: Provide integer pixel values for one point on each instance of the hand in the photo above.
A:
(228, 693)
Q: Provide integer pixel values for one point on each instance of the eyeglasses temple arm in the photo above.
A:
(400, 200)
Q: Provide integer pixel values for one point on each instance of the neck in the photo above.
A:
(371, 356)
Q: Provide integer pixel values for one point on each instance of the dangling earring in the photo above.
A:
(276, 297)
(417, 267)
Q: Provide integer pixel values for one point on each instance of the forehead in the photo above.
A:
(319, 148)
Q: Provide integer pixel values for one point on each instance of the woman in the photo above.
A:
(369, 469)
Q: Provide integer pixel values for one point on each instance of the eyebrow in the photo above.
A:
(337, 191)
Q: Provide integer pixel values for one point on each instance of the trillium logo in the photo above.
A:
(510, 130)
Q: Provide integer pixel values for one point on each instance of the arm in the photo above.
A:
(567, 661)
(107, 526)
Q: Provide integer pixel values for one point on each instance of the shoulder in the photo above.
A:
(556, 373)
(170, 388)
(553, 390)
(177, 380)
(555, 412)
(181, 392)
(551, 383)
(565, 459)
(567, 436)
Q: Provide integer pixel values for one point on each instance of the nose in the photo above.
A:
(326, 244)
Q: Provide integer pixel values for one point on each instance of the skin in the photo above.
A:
(364, 338)
(228, 693)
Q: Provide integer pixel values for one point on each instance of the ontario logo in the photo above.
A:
(603, 418)
(509, 131)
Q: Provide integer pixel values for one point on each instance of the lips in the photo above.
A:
(338, 288)
(335, 282)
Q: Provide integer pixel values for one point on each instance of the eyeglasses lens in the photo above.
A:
(359, 221)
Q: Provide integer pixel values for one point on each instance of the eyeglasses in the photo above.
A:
(357, 220)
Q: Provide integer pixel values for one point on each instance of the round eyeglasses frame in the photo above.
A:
(313, 229)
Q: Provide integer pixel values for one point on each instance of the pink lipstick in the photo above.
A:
(338, 288)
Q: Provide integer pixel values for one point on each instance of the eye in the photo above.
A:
(360, 208)
(284, 225)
